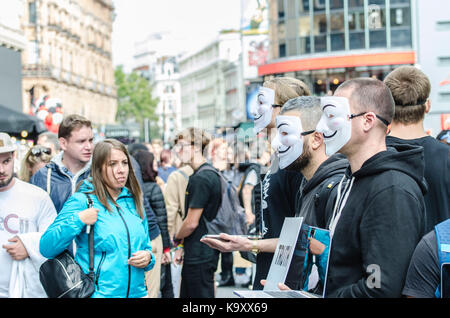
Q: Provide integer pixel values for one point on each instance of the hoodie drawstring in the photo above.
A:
(341, 200)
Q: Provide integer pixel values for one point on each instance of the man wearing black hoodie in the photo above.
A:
(379, 214)
(315, 193)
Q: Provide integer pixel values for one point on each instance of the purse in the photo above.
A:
(62, 277)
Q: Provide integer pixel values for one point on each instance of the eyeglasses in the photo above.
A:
(276, 105)
(38, 151)
(307, 132)
(384, 121)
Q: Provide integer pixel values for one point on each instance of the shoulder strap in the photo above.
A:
(49, 177)
(91, 242)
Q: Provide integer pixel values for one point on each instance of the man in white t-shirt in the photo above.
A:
(25, 213)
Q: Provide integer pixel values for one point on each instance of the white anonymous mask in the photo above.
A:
(262, 111)
(289, 139)
(335, 123)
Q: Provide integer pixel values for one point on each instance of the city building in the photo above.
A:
(325, 42)
(204, 89)
(68, 57)
(155, 59)
(12, 43)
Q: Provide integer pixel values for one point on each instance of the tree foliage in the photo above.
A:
(134, 94)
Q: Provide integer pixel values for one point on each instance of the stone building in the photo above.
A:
(68, 56)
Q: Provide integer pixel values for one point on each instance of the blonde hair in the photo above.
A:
(102, 153)
(30, 160)
(286, 88)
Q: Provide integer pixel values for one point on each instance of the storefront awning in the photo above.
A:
(354, 60)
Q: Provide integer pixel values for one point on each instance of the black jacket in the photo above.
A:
(318, 193)
(314, 197)
(380, 225)
(437, 175)
(154, 196)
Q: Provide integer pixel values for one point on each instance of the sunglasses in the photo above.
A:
(38, 151)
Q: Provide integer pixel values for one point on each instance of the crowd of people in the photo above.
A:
(357, 163)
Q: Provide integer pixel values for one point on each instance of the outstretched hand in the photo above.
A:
(228, 243)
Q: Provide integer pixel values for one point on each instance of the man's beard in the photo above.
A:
(4, 184)
(301, 162)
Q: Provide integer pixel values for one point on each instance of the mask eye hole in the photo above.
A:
(284, 133)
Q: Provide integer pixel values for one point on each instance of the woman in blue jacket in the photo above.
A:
(121, 240)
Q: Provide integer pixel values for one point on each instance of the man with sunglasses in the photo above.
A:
(378, 218)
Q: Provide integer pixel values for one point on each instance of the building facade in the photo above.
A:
(12, 44)
(325, 42)
(68, 56)
(156, 59)
(203, 84)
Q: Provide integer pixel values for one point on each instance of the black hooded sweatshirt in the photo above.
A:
(318, 193)
(314, 197)
(381, 222)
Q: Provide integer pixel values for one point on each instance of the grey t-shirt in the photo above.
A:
(423, 276)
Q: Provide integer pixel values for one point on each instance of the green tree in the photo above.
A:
(135, 100)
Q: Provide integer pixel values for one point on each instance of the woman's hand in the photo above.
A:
(88, 216)
(140, 259)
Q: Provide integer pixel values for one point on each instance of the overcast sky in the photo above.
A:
(197, 21)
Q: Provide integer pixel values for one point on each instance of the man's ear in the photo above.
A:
(62, 143)
(427, 106)
(316, 140)
(369, 121)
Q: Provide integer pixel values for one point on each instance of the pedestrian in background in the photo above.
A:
(410, 88)
(35, 159)
(122, 248)
(174, 197)
(162, 244)
(166, 165)
(49, 140)
(203, 198)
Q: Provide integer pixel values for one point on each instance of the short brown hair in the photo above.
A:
(71, 123)
(195, 136)
(410, 88)
(286, 88)
(371, 95)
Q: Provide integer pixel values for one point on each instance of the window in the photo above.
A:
(320, 32)
(377, 23)
(355, 3)
(336, 4)
(401, 26)
(303, 7)
(280, 9)
(356, 25)
(304, 31)
(32, 17)
(282, 49)
(337, 29)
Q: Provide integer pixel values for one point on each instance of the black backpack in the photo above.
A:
(230, 218)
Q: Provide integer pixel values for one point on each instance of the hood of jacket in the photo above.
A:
(406, 158)
(336, 164)
(57, 163)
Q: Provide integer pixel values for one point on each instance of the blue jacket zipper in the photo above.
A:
(129, 250)
(99, 268)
